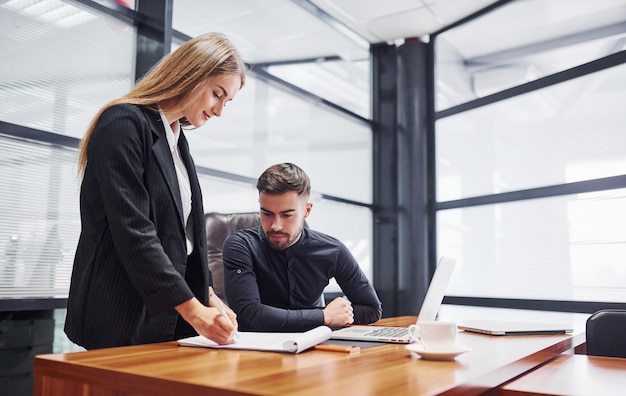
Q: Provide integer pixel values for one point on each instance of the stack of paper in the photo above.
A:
(273, 342)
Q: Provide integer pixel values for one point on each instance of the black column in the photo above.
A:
(154, 33)
(413, 176)
(384, 87)
(403, 175)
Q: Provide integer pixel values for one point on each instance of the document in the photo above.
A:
(270, 342)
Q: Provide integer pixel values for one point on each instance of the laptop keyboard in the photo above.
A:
(394, 332)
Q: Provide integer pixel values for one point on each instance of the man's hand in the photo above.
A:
(338, 313)
(208, 321)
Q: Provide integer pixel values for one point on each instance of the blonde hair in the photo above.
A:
(178, 79)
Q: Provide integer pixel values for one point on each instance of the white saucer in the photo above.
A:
(449, 354)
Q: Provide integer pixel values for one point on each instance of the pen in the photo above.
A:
(222, 310)
(337, 348)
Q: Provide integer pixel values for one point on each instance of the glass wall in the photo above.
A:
(530, 182)
(62, 60)
(570, 132)
(307, 101)
(291, 42)
(343, 82)
(264, 125)
(570, 247)
(521, 42)
(39, 219)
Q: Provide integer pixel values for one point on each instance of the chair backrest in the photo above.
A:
(218, 227)
(606, 333)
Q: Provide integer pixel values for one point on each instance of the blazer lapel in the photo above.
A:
(161, 151)
(197, 209)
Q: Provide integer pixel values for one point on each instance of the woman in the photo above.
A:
(140, 272)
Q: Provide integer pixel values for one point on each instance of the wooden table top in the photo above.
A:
(575, 375)
(168, 369)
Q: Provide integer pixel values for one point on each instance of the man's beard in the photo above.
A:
(284, 243)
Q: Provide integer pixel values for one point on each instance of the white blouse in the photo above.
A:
(183, 177)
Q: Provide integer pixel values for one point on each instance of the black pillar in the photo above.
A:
(413, 176)
(385, 233)
(403, 175)
(154, 33)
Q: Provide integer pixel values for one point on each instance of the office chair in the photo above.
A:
(218, 227)
(606, 333)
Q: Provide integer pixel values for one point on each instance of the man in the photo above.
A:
(275, 274)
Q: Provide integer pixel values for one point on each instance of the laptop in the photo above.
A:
(503, 328)
(428, 312)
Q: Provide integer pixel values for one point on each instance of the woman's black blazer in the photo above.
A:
(131, 266)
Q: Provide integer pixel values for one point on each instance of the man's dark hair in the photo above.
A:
(282, 178)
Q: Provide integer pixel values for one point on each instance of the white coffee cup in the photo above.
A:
(434, 335)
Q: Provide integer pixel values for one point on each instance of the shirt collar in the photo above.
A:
(172, 138)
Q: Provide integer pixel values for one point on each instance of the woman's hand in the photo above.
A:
(209, 321)
(215, 301)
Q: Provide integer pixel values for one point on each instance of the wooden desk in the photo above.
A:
(167, 369)
(572, 375)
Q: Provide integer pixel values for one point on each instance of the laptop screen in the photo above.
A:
(436, 290)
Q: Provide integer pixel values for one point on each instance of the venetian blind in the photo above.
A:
(39, 218)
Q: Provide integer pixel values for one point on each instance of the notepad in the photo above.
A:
(269, 342)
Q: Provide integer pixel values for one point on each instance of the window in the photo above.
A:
(39, 219)
(530, 164)
(307, 100)
(61, 61)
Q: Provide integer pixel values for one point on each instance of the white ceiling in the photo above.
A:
(291, 30)
(390, 20)
(283, 30)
